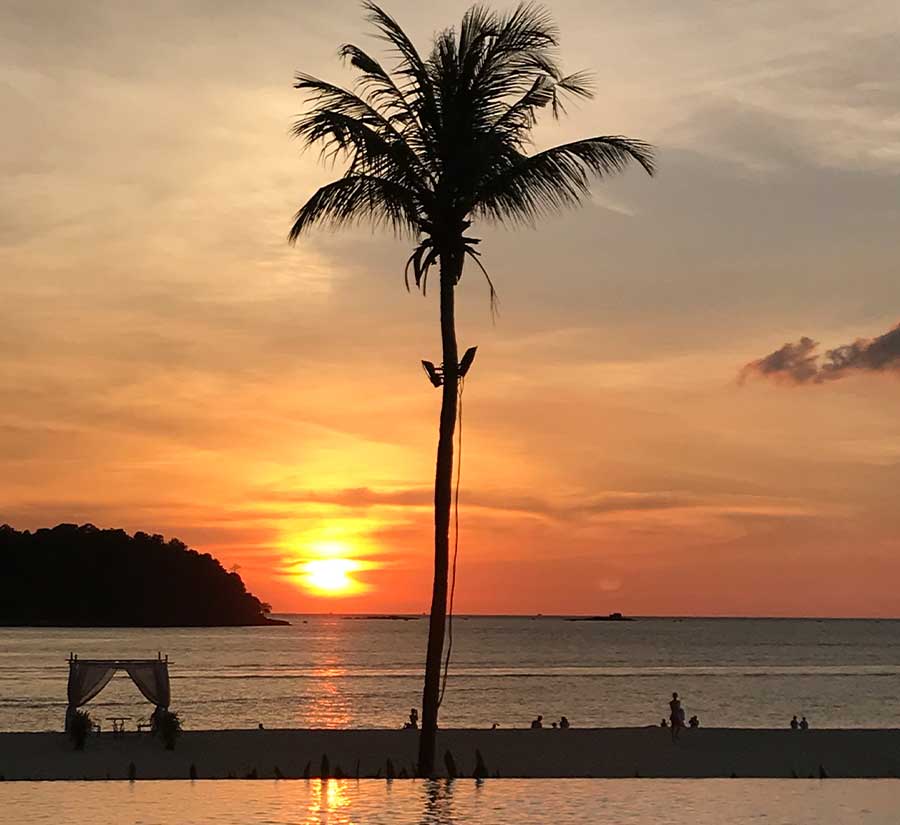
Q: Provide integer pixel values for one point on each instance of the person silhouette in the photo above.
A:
(804, 725)
(694, 721)
(413, 723)
(676, 716)
(537, 723)
(794, 723)
(564, 722)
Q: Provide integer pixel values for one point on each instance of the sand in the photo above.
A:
(596, 752)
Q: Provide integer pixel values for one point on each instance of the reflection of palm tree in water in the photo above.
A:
(438, 802)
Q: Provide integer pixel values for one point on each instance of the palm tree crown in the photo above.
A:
(440, 141)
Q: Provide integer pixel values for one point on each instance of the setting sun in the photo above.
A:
(331, 577)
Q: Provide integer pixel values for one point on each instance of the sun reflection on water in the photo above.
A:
(329, 802)
(328, 706)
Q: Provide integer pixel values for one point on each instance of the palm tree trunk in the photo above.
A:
(451, 268)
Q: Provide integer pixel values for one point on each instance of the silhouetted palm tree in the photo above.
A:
(432, 144)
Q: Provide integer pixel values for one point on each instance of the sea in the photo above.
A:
(463, 802)
(334, 671)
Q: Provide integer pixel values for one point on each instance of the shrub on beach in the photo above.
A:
(169, 727)
(80, 725)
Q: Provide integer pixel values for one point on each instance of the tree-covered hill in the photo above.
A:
(82, 576)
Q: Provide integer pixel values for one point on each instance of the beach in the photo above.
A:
(593, 752)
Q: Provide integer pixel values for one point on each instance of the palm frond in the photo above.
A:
(356, 198)
(391, 32)
(579, 84)
(558, 177)
(326, 96)
(368, 150)
(521, 45)
(345, 124)
(520, 116)
(385, 96)
(474, 254)
(410, 66)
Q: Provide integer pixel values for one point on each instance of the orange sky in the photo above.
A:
(168, 363)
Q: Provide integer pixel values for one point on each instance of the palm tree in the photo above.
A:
(431, 145)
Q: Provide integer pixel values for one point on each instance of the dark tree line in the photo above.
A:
(82, 576)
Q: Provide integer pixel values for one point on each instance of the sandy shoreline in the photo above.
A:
(595, 752)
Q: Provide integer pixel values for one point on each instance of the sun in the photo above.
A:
(327, 565)
(330, 577)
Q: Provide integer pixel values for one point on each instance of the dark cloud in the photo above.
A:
(795, 363)
(881, 353)
(800, 362)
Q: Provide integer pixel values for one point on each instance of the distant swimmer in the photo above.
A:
(804, 725)
(564, 722)
(794, 723)
(537, 723)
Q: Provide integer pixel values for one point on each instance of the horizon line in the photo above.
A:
(389, 614)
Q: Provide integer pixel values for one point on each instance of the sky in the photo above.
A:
(687, 405)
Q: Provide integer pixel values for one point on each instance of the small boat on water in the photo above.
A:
(612, 617)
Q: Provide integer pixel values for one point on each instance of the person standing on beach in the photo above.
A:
(676, 716)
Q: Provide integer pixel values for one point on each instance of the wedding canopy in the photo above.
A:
(87, 677)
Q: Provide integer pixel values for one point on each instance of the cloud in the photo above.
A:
(356, 497)
(567, 509)
(800, 363)
(793, 363)
(881, 353)
(423, 497)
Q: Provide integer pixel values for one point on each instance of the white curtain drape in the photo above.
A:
(152, 679)
(86, 680)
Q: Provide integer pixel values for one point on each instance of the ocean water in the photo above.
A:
(337, 672)
(535, 801)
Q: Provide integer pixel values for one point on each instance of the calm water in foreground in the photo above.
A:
(535, 801)
(331, 671)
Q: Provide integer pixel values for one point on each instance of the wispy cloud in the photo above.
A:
(566, 509)
(801, 363)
